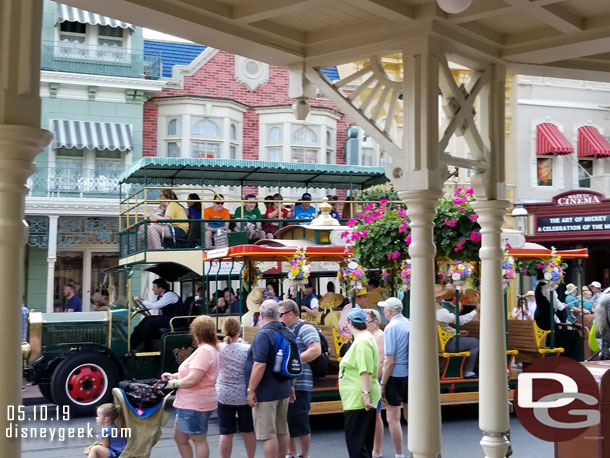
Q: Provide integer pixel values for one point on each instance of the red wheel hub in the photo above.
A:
(86, 384)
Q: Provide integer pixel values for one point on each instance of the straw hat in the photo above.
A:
(440, 290)
(470, 297)
(331, 300)
(571, 288)
(254, 300)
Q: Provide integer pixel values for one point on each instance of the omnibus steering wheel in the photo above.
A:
(140, 308)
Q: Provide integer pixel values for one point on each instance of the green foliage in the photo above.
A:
(377, 193)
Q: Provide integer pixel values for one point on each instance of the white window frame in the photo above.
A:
(227, 115)
(320, 121)
(558, 160)
(90, 48)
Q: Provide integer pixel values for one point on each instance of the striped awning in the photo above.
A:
(92, 135)
(71, 14)
(550, 140)
(591, 143)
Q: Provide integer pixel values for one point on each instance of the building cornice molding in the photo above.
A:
(82, 79)
(528, 80)
(200, 100)
(44, 206)
(284, 109)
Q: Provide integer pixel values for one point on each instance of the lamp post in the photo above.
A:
(520, 214)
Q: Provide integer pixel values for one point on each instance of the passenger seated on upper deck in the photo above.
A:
(194, 208)
(273, 212)
(216, 211)
(171, 210)
(250, 211)
(304, 210)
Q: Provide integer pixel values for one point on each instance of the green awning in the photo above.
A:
(173, 171)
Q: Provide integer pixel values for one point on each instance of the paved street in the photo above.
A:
(460, 438)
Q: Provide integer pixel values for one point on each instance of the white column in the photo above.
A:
(493, 381)
(21, 139)
(51, 259)
(424, 438)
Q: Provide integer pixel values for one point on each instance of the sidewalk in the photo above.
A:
(31, 395)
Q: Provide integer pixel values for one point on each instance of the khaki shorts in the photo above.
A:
(270, 419)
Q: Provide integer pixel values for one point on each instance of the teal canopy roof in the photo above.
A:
(173, 171)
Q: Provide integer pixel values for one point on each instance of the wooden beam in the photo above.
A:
(389, 9)
(260, 10)
(554, 15)
(368, 26)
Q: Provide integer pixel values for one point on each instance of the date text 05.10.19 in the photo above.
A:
(37, 413)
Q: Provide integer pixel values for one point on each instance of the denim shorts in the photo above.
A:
(192, 421)
(298, 414)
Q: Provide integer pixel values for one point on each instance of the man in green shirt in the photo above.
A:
(251, 212)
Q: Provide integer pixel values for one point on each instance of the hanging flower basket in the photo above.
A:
(299, 269)
(508, 269)
(405, 274)
(458, 273)
(553, 269)
(352, 276)
(251, 274)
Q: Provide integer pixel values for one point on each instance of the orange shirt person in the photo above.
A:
(216, 211)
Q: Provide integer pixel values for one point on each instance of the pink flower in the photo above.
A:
(403, 228)
(377, 215)
(451, 223)
(474, 217)
(389, 255)
(475, 236)
(401, 212)
(369, 207)
(461, 201)
(383, 201)
(408, 239)
(344, 234)
(523, 271)
(396, 255)
(369, 219)
(470, 191)
(540, 266)
(352, 222)
(362, 215)
(462, 209)
(365, 233)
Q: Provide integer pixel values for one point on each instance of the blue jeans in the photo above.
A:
(192, 422)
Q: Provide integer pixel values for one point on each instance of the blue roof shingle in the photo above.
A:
(172, 53)
(184, 53)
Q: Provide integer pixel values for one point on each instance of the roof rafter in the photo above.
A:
(553, 14)
(260, 10)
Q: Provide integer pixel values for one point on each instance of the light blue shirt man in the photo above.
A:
(396, 337)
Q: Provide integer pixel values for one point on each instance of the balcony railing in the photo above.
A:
(66, 182)
(66, 56)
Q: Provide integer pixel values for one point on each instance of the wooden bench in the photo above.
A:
(452, 365)
(526, 337)
(335, 341)
(473, 331)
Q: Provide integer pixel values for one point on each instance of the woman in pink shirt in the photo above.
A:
(195, 385)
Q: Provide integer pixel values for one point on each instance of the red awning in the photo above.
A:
(591, 143)
(550, 140)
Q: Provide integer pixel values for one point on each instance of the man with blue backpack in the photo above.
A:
(272, 366)
(310, 347)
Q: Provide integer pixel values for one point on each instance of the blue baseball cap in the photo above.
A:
(357, 315)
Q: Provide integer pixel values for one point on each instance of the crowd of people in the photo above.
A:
(169, 220)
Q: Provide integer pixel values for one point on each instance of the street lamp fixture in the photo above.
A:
(520, 214)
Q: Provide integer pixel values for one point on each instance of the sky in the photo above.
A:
(150, 34)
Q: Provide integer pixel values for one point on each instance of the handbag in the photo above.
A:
(593, 345)
(220, 239)
(141, 395)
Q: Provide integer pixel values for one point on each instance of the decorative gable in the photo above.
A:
(251, 73)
